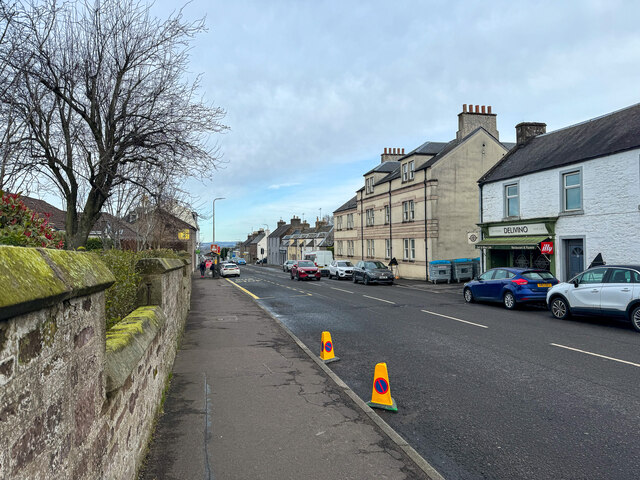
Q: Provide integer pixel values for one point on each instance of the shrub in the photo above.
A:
(94, 244)
(120, 298)
(23, 227)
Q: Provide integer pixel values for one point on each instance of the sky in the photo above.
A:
(315, 90)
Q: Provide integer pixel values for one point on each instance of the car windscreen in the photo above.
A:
(538, 276)
(305, 263)
(372, 265)
(345, 264)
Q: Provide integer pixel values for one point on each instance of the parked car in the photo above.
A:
(372, 272)
(229, 269)
(613, 291)
(340, 269)
(305, 270)
(322, 259)
(510, 286)
(261, 261)
(241, 261)
(286, 266)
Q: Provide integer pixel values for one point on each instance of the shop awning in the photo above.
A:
(512, 242)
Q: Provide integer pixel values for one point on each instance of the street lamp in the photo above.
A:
(213, 220)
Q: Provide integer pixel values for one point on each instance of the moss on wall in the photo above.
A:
(123, 332)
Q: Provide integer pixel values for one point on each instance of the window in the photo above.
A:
(572, 191)
(350, 221)
(339, 222)
(409, 249)
(350, 248)
(371, 250)
(407, 211)
(622, 275)
(592, 276)
(387, 215)
(412, 170)
(511, 200)
(339, 242)
(369, 218)
(387, 248)
(369, 185)
(405, 172)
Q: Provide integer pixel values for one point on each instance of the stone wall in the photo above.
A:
(74, 404)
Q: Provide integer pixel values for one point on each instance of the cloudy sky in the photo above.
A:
(315, 90)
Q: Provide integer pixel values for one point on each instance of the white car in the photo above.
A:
(340, 269)
(286, 266)
(229, 269)
(611, 290)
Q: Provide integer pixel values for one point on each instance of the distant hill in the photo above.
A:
(206, 246)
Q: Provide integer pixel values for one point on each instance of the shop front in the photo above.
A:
(523, 244)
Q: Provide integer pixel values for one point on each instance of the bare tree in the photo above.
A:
(101, 90)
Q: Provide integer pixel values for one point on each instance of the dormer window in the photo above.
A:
(369, 185)
(408, 171)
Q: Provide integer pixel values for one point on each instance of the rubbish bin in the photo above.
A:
(440, 270)
(476, 267)
(462, 269)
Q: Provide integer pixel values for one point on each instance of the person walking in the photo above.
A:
(203, 267)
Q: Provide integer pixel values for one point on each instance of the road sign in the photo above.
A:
(183, 235)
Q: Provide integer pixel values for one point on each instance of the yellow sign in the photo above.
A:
(183, 235)
(381, 394)
(327, 354)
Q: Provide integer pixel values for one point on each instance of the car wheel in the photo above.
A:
(559, 308)
(468, 295)
(509, 301)
(330, 275)
(635, 318)
(366, 280)
(298, 277)
(318, 278)
(291, 275)
(355, 280)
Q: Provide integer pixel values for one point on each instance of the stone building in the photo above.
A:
(559, 199)
(423, 205)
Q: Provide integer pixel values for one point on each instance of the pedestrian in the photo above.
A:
(213, 269)
(203, 267)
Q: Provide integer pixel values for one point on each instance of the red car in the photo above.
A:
(305, 270)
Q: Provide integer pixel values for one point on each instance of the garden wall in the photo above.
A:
(77, 402)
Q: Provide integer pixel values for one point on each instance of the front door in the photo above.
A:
(574, 255)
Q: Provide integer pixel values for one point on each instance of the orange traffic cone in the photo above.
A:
(327, 354)
(381, 395)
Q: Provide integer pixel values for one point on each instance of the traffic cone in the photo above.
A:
(381, 395)
(326, 353)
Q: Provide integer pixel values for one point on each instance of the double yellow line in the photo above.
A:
(243, 289)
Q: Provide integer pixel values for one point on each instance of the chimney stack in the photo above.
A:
(295, 221)
(472, 118)
(525, 131)
(391, 154)
(281, 223)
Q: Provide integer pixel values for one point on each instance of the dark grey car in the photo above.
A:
(369, 271)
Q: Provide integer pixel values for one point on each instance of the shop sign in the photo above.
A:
(516, 230)
(546, 248)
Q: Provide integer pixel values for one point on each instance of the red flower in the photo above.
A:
(48, 235)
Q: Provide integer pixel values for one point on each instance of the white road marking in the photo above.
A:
(379, 299)
(346, 291)
(596, 355)
(454, 318)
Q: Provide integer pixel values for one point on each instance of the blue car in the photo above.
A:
(510, 286)
(242, 261)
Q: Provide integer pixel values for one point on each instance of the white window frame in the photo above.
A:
(350, 248)
(350, 221)
(408, 211)
(564, 189)
(387, 214)
(371, 248)
(412, 170)
(409, 250)
(339, 242)
(369, 217)
(405, 172)
(369, 185)
(508, 198)
(339, 222)
(387, 248)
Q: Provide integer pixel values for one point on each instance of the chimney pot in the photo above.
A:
(489, 109)
(403, 151)
(464, 108)
(482, 108)
(385, 150)
(477, 108)
(394, 151)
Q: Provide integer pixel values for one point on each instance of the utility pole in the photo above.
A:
(213, 220)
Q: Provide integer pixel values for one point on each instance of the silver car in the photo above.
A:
(611, 290)
(340, 269)
(286, 266)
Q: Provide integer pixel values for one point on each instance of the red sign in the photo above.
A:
(547, 248)
(215, 248)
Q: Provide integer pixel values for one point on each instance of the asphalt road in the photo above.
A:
(482, 392)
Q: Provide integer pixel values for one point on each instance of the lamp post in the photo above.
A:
(213, 219)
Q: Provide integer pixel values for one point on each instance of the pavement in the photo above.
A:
(248, 400)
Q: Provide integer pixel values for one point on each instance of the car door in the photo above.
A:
(496, 284)
(481, 289)
(358, 271)
(617, 291)
(585, 297)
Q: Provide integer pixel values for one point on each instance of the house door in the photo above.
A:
(574, 255)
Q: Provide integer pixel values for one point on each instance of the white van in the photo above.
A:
(322, 258)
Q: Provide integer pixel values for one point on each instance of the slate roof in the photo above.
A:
(384, 167)
(350, 205)
(598, 137)
(280, 231)
(57, 216)
(258, 238)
